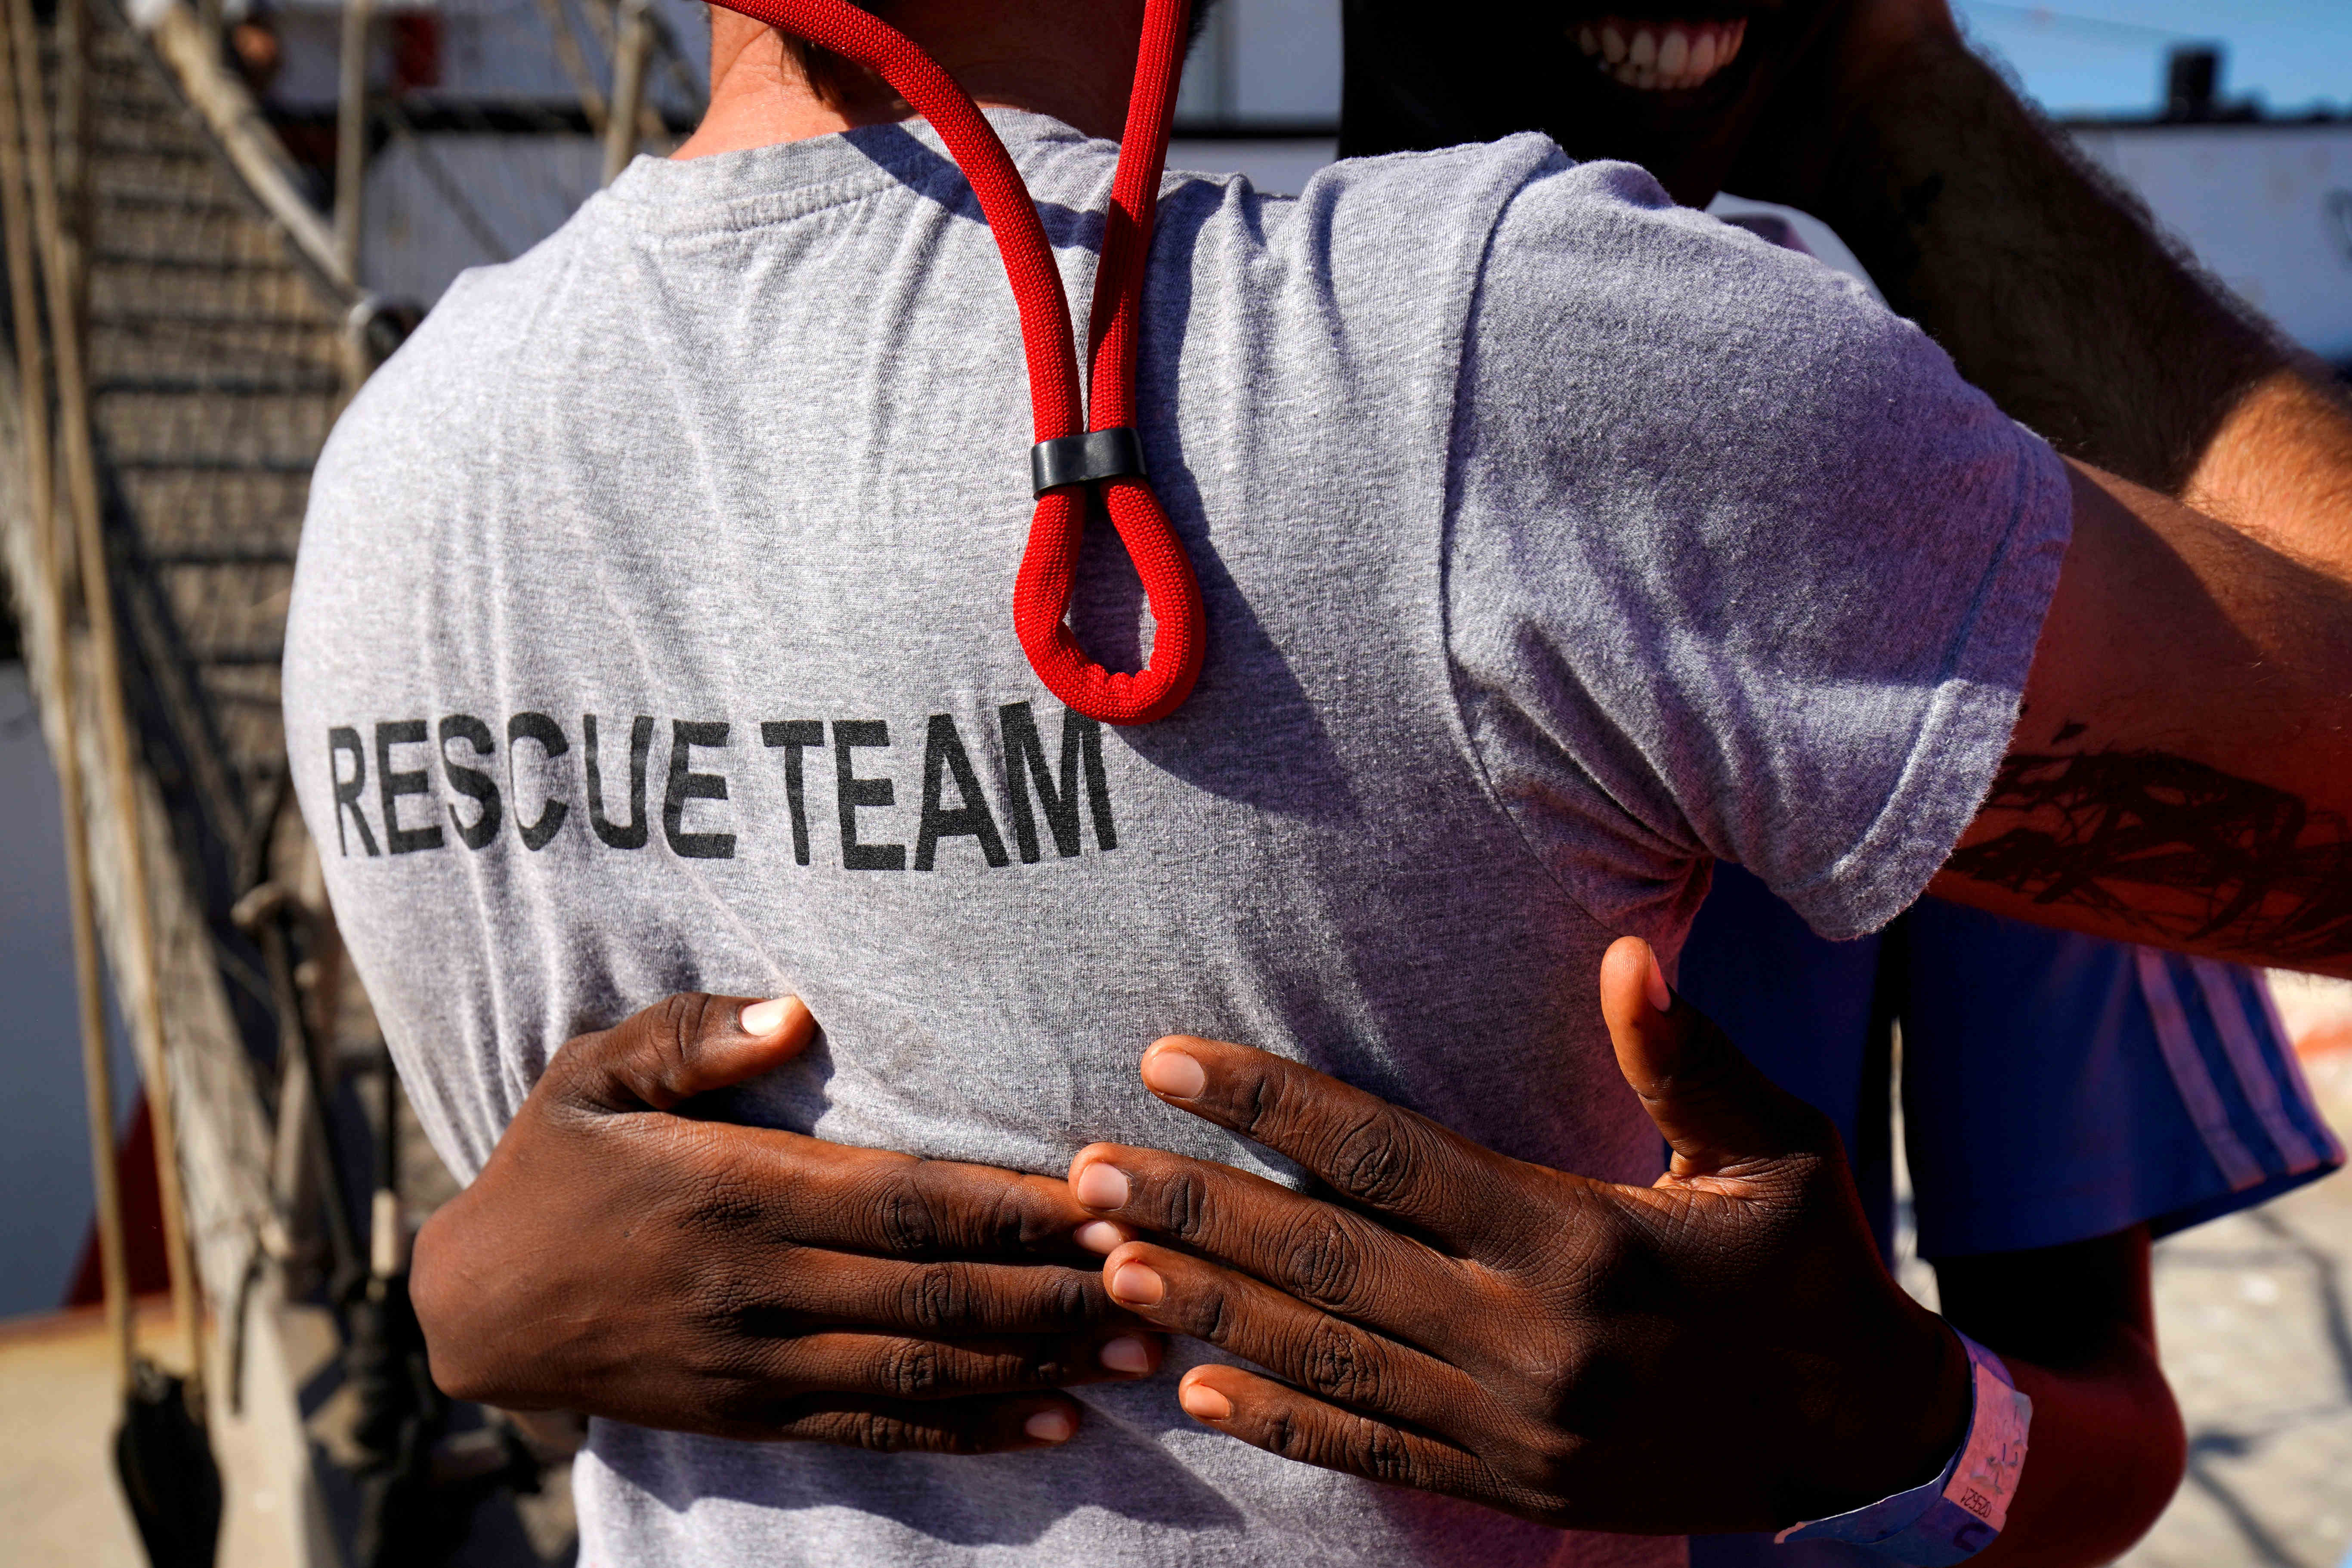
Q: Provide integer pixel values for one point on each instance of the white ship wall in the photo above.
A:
(2267, 208)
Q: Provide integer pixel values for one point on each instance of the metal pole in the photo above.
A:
(1228, 77)
(146, 1000)
(69, 134)
(350, 133)
(387, 1236)
(19, 76)
(575, 64)
(629, 49)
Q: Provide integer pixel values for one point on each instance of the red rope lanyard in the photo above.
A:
(1065, 462)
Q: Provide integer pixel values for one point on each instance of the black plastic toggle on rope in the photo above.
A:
(1080, 459)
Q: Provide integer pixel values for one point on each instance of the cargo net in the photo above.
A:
(216, 365)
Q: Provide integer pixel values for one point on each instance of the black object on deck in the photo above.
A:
(167, 1471)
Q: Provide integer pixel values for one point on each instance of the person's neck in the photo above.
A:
(1071, 59)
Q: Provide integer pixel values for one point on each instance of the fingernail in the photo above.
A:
(1099, 1236)
(1050, 1426)
(1662, 999)
(1101, 1187)
(1136, 1284)
(1173, 1073)
(1127, 1353)
(764, 1018)
(1202, 1403)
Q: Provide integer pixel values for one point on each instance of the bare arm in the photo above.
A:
(2182, 772)
(2076, 1327)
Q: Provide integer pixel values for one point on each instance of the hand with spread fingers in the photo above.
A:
(1721, 1351)
(620, 1257)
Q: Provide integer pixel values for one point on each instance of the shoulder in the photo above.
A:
(1448, 186)
(419, 438)
(1445, 188)
(1400, 237)
(469, 336)
(1597, 285)
(1740, 543)
(1628, 354)
(435, 406)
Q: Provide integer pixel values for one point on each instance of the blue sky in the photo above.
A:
(2107, 56)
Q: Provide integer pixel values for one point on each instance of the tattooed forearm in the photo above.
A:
(2183, 851)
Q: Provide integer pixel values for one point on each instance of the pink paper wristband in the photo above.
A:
(1962, 1511)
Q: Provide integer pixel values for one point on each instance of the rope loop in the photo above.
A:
(1047, 575)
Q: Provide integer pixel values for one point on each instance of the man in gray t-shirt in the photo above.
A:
(651, 635)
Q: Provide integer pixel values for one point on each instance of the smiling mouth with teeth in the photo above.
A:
(1660, 57)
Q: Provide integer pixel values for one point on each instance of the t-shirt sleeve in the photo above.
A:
(2058, 1088)
(1737, 567)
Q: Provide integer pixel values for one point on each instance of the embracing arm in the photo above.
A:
(2181, 773)
(2077, 1330)
(622, 1254)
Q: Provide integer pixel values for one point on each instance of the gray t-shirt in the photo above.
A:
(653, 631)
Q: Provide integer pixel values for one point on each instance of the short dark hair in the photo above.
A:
(829, 76)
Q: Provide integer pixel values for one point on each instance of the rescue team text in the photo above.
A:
(394, 772)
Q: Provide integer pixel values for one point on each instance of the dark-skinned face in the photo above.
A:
(1673, 85)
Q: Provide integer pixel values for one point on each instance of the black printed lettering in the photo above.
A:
(795, 736)
(852, 791)
(343, 741)
(471, 783)
(391, 784)
(685, 785)
(1024, 761)
(943, 753)
(536, 727)
(633, 833)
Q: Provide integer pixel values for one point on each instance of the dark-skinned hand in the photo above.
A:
(620, 1257)
(1721, 1351)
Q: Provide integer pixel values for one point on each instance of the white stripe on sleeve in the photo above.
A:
(2178, 1043)
(2223, 998)
(2297, 1086)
